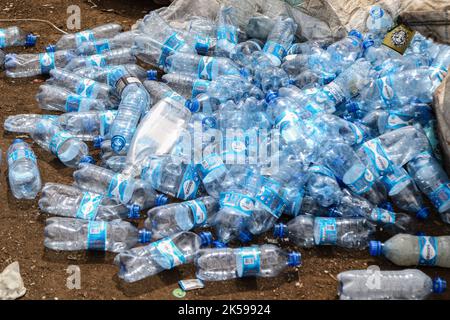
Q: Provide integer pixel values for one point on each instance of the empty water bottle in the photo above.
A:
(280, 39)
(25, 123)
(68, 234)
(88, 125)
(108, 58)
(221, 264)
(227, 31)
(23, 171)
(74, 40)
(107, 43)
(379, 22)
(322, 186)
(100, 74)
(344, 52)
(16, 36)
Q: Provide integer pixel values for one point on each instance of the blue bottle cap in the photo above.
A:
(152, 74)
(355, 33)
(50, 48)
(17, 141)
(161, 200)
(145, 236)
(375, 248)
(98, 140)
(387, 206)
(87, 159)
(192, 105)
(206, 238)
(439, 285)
(202, 48)
(279, 230)
(420, 234)
(423, 213)
(376, 12)
(294, 259)
(219, 244)
(271, 95)
(134, 211)
(30, 40)
(368, 43)
(118, 143)
(244, 72)
(245, 236)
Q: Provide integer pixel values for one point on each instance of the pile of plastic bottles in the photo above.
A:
(321, 144)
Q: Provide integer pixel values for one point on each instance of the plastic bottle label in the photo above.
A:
(117, 187)
(386, 91)
(73, 103)
(200, 86)
(275, 49)
(168, 250)
(234, 147)
(87, 88)
(206, 68)
(84, 36)
(327, 231)
(227, 33)
(271, 201)
(378, 156)
(390, 180)
(363, 183)
(332, 92)
(211, 163)
(438, 74)
(89, 206)
(428, 251)
(97, 231)
(2, 39)
(382, 215)
(96, 60)
(396, 121)
(102, 46)
(359, 133)
(47, 62)
(237, 201)
(199, 212)
(322, 170)
(21, 154)
(441, 195)
(57, 140)
(189, 184)
(106, 120)
(248, 261)
(173, 43)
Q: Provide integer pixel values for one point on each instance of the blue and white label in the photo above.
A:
(396, 121)
(117, 187)
(102, 46)
(271, 201)
(428, 247)
(207, 68)
(97, 232)
(275, 49)
(378, 156)
(211, 163)
(227, 33)
(199, 212)
(363, 183)
(189, 184)
(393, 179)
(173, 43)
(200, 86)
(89, 206)
(441, 195)
(172, 256)
(73, 103)
(438, 74)
(327, 231)
(237, 201)
(2, 39)
(248, 261)
(58, 140)
(87, 88)
(106, 120)
(47, 62)
(382, 216)
(21, 154)
(386, 91)
(84, 36)
(234, 147)
(96, 60)
(359, 133)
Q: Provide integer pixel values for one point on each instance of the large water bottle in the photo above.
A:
(167, 253)
(74, 40)
(69, 201)
(25, 123)
(408, 284)
(98, 46)
(379, 22)
(307, 231)
(410, 250)
(69, 234)
(109, 58)
(227, 31)
(23, 171)
(88, 125)
(101, 74)
(15, 37)
(59, 99)
(432, 180)
(221, 264)
(176, 217)
(30, 65)
(280, 39)
(69, 150)
(346, 51)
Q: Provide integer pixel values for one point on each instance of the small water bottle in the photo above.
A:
(280, 39)
(74, 40)
(105, 44)
(23, 171)
(88, 125)
(227, 31)
(344, 52)
(220, 264)
(69, 234)
(188, 86)
(100, 74)
(25, 123)
(15, 37)
(165, 254)
(379, 22)
(109, 58)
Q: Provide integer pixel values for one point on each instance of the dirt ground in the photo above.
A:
(44, 272)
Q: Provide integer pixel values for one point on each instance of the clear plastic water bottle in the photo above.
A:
(160, 90)
(377, 54)
(69, 234)
(15, 37)
(379, 22)
(408, 284)
(188, 86)
(433, 181)
(59, 99)
(25, 123)
(244, 51)
(100, 74)
(23, 171)
(227, 31)
(176, 217)
(280, 39)
(71, 202)
(115, 163)
(220, 264)
(98, 46)
(272, 79)
(74, 40)
(30, 65)
(308, 231)
(165, 254)
(322, 186)
(88, 125)
(108, 58)
(346, 51)
(69, 150)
